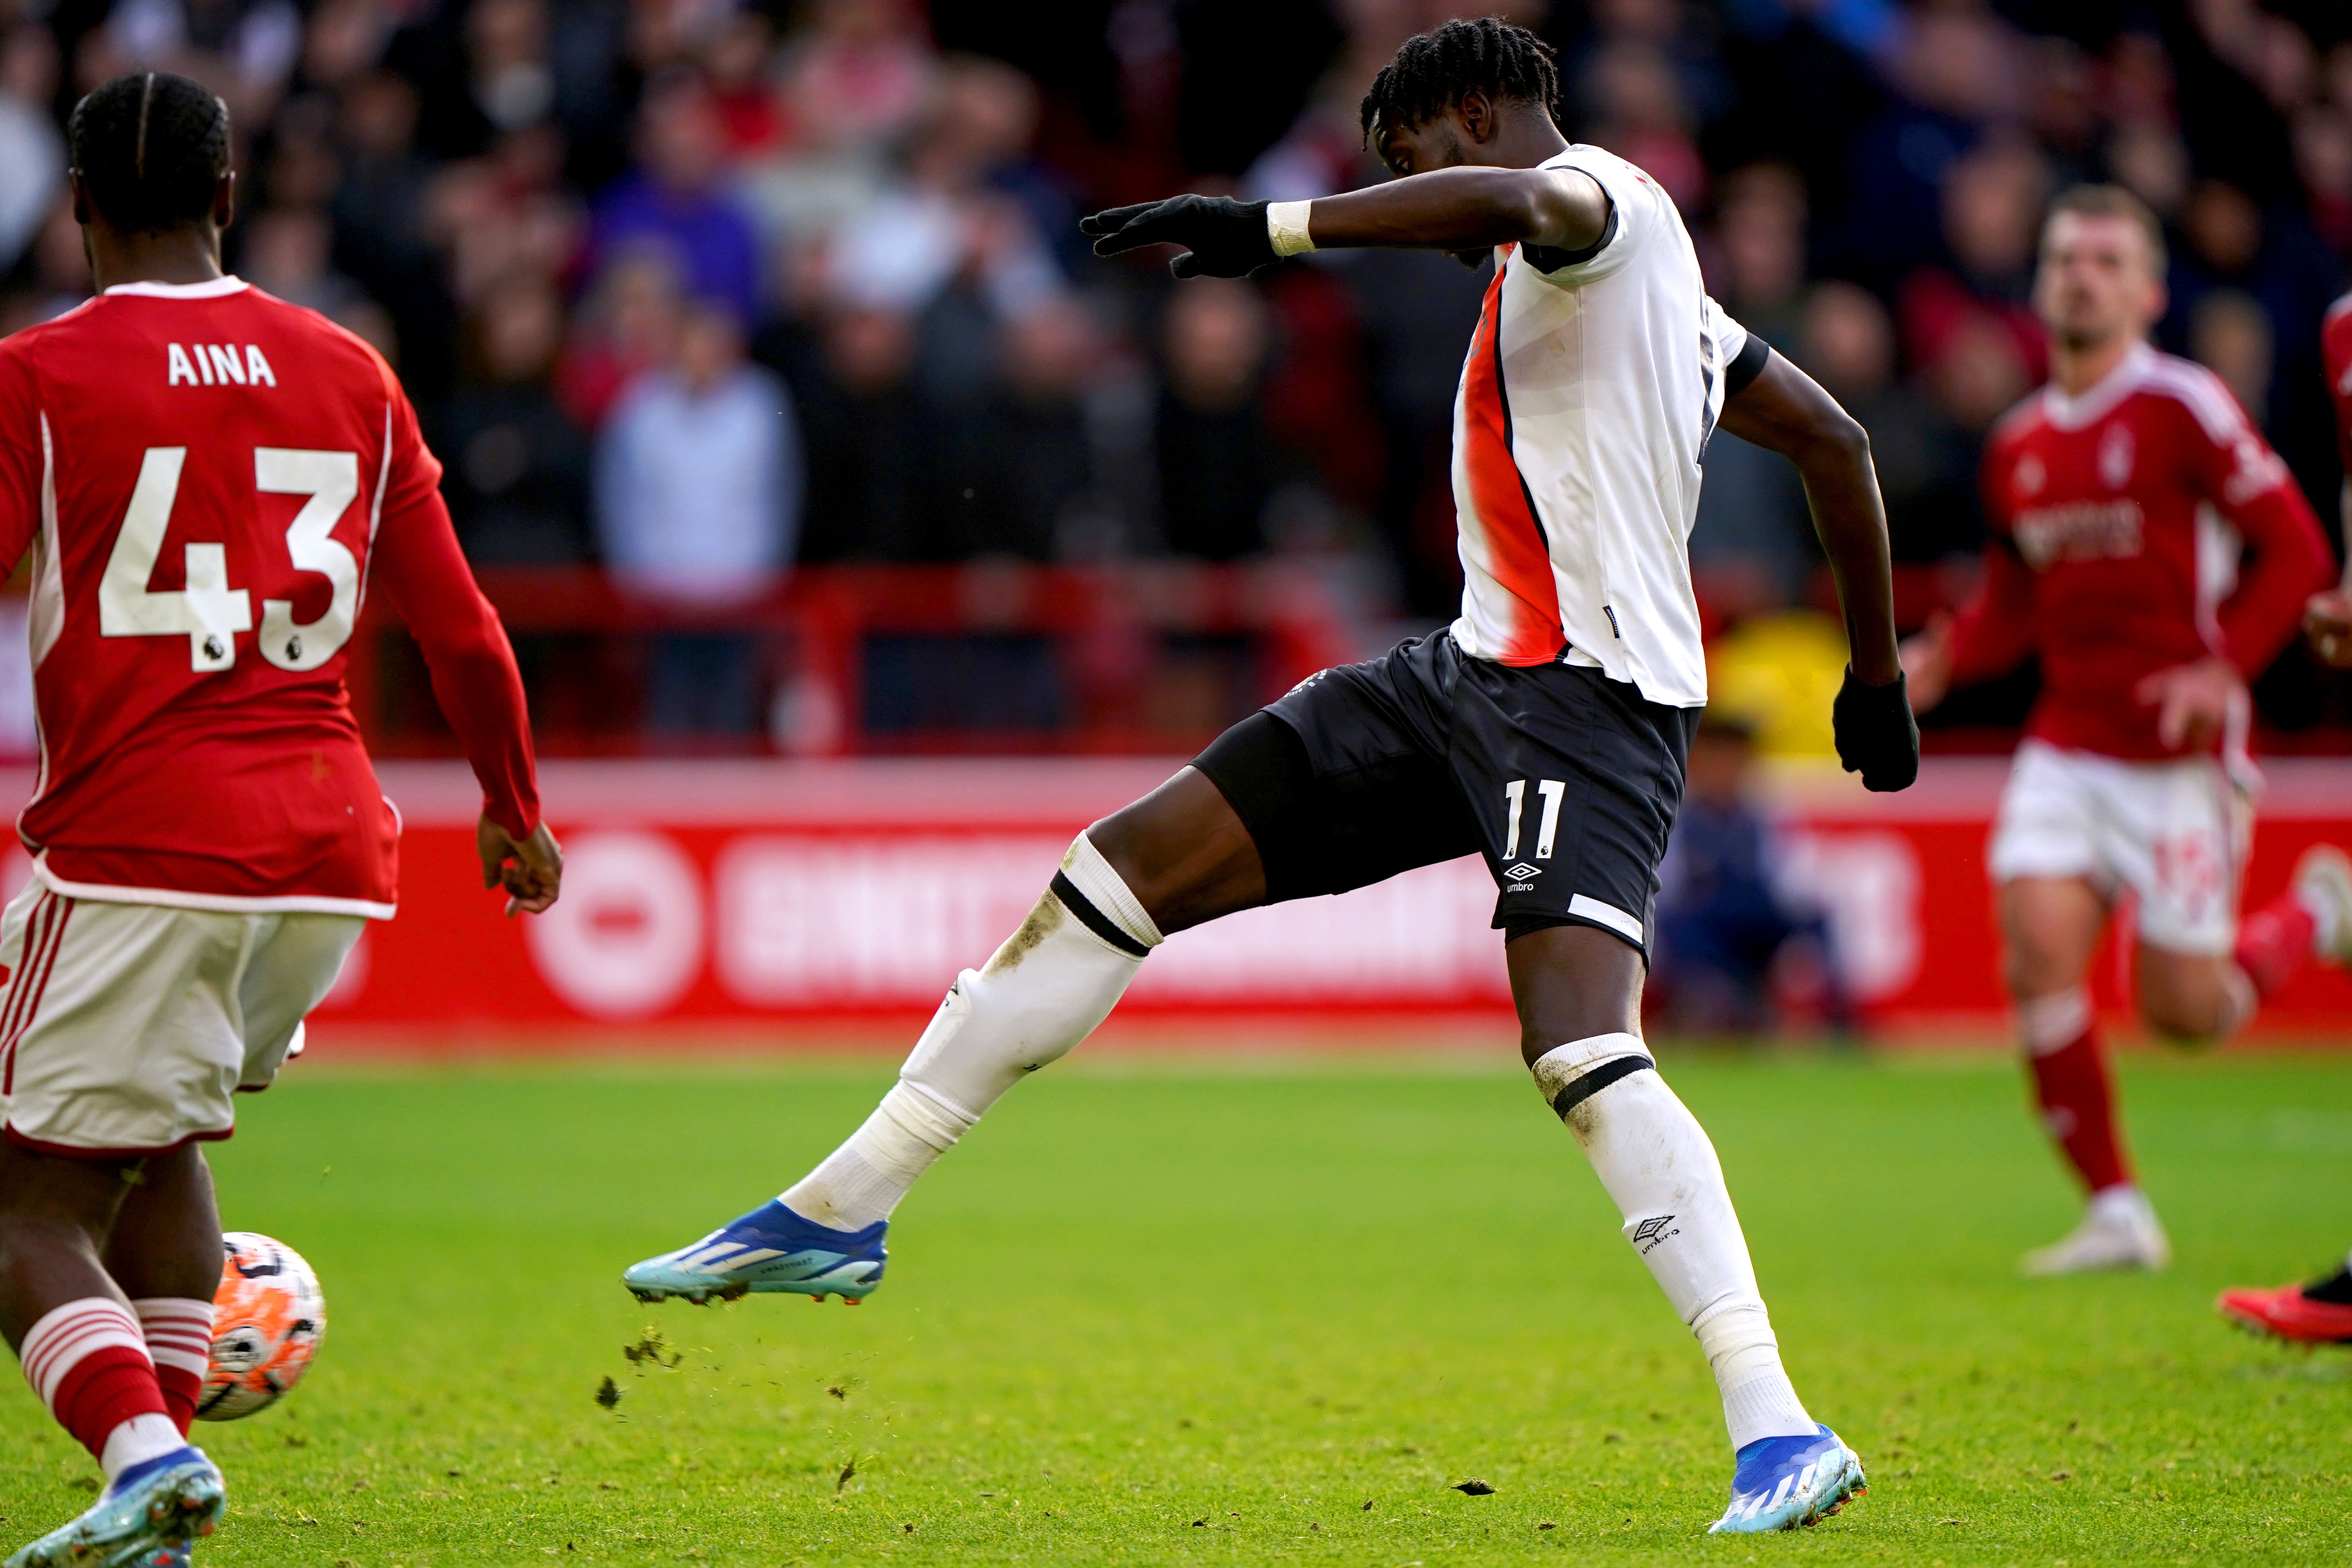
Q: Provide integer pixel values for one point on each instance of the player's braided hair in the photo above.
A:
(150, 148)
(1432, 70)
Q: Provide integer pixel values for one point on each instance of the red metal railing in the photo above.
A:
(1108, 628)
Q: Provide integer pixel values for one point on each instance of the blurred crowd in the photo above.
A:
(701, 290)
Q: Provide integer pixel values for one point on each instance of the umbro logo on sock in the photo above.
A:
(1651, 1231)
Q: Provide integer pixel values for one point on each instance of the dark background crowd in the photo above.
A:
(705, 292)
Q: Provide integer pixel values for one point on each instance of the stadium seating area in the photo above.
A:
(785, 409)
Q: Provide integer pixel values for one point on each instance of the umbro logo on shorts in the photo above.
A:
(1651, 1231)
(1523, 872)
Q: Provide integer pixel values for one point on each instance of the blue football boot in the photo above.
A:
(145, 1519)
(1783, 1482)
(769, 1249)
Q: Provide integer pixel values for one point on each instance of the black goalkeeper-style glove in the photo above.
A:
(1223, 237)
(1876, 736)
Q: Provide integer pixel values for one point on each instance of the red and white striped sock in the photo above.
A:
(179, 1331)
(88, 1360)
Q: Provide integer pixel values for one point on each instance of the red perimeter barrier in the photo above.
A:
(795, 896)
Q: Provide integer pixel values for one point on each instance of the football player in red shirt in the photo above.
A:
(2120, 498)
(208, 482)
(2321, 1311)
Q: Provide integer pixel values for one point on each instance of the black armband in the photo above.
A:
(1746, 366)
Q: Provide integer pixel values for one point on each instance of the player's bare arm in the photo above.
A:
(1468, 182)
(1785, 411)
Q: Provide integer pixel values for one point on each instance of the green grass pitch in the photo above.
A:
(1171, 1312)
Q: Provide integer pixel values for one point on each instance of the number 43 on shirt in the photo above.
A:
(208, 612)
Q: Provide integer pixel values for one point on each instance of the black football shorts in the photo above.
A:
(1566, 781)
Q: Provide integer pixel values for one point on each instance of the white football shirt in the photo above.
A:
(1585, 406)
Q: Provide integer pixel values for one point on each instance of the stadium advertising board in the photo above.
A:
(725, 893)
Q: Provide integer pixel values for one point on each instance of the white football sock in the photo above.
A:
(138, 1440)
(1046, 989)
(1655, 1159)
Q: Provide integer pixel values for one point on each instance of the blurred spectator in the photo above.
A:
(1037, 478)
(2230, 336)
(2323, 157)
(1756, 253)
(1992, 203)
(860, 73)
(30, 148)
(1723, 925)
(750, 108)
(287, 252)
(1956, 69)
(948, 230)
(511, 81)
(870, 442)
(1216, 463)
(380, 223)
(242, 49)
(1636, 110)
(697, 504)
(2150, 161)
(1925, 462)
(626, 324)
(518, 467)
(673, 203)
(2273, 256)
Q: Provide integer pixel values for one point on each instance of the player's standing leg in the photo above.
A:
(1046, 989)
(2050, 930)
(84, 1352)
(1579, 992)
(164, 1252)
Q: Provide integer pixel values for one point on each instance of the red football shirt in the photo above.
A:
(211, 482)
(2118, 519)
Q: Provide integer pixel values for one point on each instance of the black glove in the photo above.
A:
(1876, 736)
(1224, 238)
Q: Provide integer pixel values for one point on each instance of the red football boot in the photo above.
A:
(2306, 1314)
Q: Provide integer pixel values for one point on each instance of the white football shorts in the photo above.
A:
(127, 1028)
(2175, 834)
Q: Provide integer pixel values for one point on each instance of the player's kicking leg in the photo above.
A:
(1045, 990)
(86, 1354)
(1583, 985)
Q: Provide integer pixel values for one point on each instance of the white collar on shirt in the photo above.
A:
(212, 289)
(2093, 402)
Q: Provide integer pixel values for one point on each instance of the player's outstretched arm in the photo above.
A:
(1465, 209)
(1786, 411)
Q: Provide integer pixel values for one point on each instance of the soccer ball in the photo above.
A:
(268, 1316)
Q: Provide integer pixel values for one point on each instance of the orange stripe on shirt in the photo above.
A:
(1518, 556)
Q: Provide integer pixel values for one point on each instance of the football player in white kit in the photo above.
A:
(1546, 730)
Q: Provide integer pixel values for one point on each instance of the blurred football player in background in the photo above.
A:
(2120, 497)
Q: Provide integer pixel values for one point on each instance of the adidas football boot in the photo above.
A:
(771, 1250)
(145, 1519)
(1781, 1483)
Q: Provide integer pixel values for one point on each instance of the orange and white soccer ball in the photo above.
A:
(269, 1318)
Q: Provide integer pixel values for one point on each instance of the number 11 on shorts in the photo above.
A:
(1515, 799)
